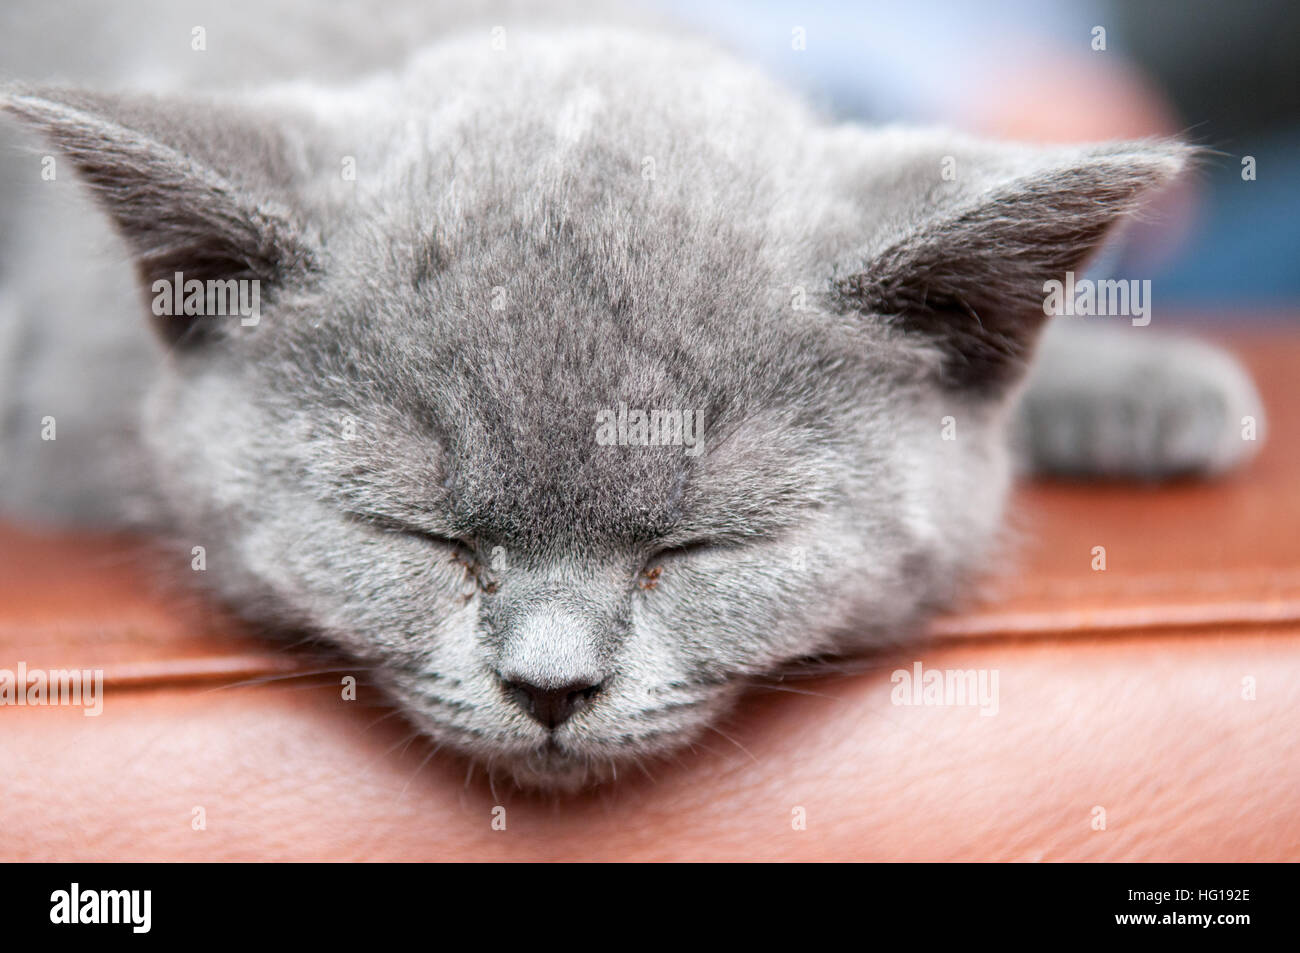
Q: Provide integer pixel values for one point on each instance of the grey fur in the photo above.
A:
(402, 456)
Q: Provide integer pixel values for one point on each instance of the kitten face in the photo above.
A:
(406, 453)
(423, 481)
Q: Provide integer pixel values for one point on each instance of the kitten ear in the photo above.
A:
(190, 187)
(977, 232)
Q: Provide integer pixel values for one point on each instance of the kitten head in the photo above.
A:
(566, 444)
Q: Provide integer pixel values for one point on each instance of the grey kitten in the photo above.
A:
(614, 378)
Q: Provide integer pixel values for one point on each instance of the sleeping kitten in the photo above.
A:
(589, 377)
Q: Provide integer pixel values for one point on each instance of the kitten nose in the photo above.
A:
(551, 707)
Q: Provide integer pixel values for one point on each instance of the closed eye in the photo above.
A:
(680, 550)
(388, 524)
(686, 548)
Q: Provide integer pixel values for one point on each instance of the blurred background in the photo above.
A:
(1221, 247)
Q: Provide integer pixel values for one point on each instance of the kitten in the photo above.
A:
(614, 376)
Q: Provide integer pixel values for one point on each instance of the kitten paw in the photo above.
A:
(1149, 408)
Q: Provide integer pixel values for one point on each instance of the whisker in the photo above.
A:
(640, 763)
(719, 731)
(762, 686)
(266, 679)
(386, 715)
(419, 768)
(404, 742)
